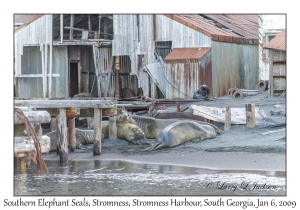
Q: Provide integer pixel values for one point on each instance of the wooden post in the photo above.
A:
(151, 107)
(112, 128)
(178, 107)
(250, 115)
(97, 130)
(105, 28)
(72, 137)
(53, 124)
(71, 26)
(227, 119)
(61, 28)
(61, 131)
(22, 167)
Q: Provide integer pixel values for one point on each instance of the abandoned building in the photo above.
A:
(59, 56)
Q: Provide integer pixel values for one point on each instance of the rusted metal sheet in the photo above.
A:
(202, 25)
(184, 54)
(233, 65)
(278, 42)
(187, 77)
(245, 25)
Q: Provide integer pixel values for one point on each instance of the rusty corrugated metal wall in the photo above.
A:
(188, 76)
(234, 65)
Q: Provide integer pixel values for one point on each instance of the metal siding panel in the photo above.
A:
(233, 65)
(60, 66)
(31, 60)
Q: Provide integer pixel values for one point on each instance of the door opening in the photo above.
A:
(73, 79)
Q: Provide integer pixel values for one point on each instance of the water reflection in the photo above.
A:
(128, 178)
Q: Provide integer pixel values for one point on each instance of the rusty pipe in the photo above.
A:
(184, 108)
(146, 99)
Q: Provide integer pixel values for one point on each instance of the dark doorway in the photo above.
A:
(73, 78)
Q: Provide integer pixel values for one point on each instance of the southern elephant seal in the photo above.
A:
(180, 132)
(152, 126)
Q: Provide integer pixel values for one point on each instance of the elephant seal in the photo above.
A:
(131, 133)
(152, 126)
(183, 131)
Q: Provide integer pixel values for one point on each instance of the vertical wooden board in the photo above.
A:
(61, 132)
(250, 115)
(227, 125)
(72, 137)
(112, 128)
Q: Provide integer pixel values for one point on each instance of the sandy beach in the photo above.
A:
(240, 148)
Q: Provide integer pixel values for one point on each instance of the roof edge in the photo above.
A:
(214, 37)
(28, 22)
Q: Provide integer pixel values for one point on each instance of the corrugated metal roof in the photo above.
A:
(244, 25)
(216, 33)
(183, 54)
(278, 42)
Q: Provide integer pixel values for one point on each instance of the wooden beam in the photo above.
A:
(97, 130)
(61, 103)
(61, 131)
(34, 116)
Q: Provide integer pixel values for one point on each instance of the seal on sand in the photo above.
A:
(180, 132)
(152, 126)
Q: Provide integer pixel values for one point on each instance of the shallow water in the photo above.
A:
(127, 178)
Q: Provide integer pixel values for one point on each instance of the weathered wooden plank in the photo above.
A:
(72, 137)
(34, 116)
(112, 128)
(61, 103)
(97, 130)
(23, 144)
(61, 132)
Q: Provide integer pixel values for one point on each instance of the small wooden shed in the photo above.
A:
(277, 47)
